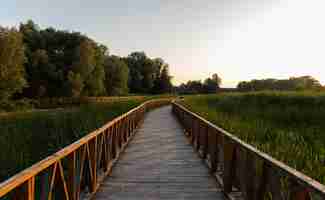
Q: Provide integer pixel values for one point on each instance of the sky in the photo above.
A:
(238, 39)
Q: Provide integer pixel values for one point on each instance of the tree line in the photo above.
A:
(41, 63)
(291, 84)
(209, 85)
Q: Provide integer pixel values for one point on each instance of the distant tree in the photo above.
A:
(194, 87)
(216, 78)
(162, 79)
(291, 84)
(211, 85)
(163, 82)
(116, 76)
(12, 58)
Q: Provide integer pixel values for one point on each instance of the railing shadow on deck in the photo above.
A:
(243, 171)
(76, 171)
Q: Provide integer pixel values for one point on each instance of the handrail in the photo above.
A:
(76, 168)
(243, 167)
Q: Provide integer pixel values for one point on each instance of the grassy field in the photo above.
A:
(27, 137)
(289, 126)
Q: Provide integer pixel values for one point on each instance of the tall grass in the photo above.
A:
(26, 138)
(288, 126)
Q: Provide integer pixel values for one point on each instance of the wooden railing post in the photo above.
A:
(229, 165)
(251, 177)
(128, 126)
(119, 134)
(72, 176)
(192, 128)
(113, 142)
(262, 183)
(213, 150)
(93, 163)
(197, 135)
(298, 192)
(125, 130)
(106, 151)
(25, 191)
(205, 141)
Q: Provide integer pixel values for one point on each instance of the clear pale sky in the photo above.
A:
(238, 39)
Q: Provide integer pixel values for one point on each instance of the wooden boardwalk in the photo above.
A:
(159, 163)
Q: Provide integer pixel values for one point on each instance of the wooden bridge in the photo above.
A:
(150, 155)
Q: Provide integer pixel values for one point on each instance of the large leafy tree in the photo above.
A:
(95, 83)
(143, 72)
(12, 58)
(50, 55)
(165, 80)
(117, 73)
(135, 62)
(162, 82)
(56, 59)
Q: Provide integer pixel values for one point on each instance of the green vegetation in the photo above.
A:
(210, 85)
(287, 125)
(45, 63)
(28, 137)
(291, 84)
(12, 58)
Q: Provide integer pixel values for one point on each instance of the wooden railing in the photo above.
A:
(77, 170)
(243, 171)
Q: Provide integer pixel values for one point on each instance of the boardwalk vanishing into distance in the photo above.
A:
(159, 163)
(160, 150)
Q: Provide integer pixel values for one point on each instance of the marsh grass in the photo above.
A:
(287, 125)
(26, 138)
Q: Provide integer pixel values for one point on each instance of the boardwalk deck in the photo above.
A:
(159, 163)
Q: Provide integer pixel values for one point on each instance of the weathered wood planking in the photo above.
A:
(159, 163)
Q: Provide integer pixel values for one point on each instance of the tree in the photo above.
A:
(48, 78)
(216, 78)
(63, 63)
(39, 73)
(143, 72)
(75, 84)
(211, 85)
(12, 58)
(95, 83)
(291, 84)
(89, 61)
(84, 59)
(116, 76)
(165, 80)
